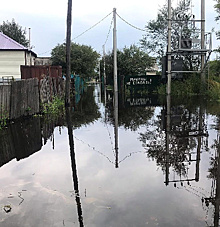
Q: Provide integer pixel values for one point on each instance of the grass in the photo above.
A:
(4, 119)
(56, 107)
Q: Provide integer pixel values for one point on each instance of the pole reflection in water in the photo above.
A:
(217, 193)
(214, 198)
(74, 170)
(116, 126)
(168, 138)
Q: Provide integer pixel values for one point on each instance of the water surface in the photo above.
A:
(147, 162)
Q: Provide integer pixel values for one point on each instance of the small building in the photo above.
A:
(153, 69)
(43, 61)
(12, 56)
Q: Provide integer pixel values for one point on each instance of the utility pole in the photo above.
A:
(203, 41)
(100, 71)
(29, 45)
(115, 52)
(115, 87)
(104, 65)
(68, 47)
(169, 50)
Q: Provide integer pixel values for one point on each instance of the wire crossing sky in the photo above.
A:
(48, 23)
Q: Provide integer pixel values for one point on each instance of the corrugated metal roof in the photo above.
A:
(6, 43)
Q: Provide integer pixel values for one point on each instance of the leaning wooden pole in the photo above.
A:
(68, 49)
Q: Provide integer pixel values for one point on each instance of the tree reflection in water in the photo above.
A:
(185, 130)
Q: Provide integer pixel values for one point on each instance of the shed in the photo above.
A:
(12, 56)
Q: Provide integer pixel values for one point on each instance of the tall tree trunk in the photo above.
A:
(68, 49)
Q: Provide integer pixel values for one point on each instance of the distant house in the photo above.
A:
(43, 61)
(12, 56)
(152, 70)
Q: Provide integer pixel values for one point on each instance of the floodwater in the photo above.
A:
(147, 161)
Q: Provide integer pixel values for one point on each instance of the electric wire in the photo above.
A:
(93, 148)
(85, 31)
(140, 29)
(109, 31)
(92, 26)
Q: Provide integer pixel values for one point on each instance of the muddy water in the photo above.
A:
(145, 163)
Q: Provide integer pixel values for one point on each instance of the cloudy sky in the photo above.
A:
(47, 20)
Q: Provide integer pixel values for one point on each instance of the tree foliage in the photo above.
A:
(84, 59)
(155, 39)
(130, 61)
(14, 31)
(217, 9)
(214, 68)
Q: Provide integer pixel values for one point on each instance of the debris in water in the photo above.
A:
(7, 208)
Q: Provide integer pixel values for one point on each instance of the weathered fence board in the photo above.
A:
(50, 87)
(23, 97)
(5, 93)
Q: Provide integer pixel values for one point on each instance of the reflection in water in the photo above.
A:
(174, 135)
(214, 198)
(116, 126)
(182, 133)
(186, 137)
(74, 170)
(179, 131)
(22, 139)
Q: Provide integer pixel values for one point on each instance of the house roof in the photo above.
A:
(6, 43)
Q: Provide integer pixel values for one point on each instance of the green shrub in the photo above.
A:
(214, 90)
(55, 107)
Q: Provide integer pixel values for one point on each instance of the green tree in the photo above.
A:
(130, 61)
(14, 31)
(155, 39)
(214, 69)
(217, 9)
(84, 59)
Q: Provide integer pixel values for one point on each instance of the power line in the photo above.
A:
(86, 31)
(92, 26)
(109, 31)
(140, 29)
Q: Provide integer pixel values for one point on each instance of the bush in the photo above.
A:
(214, 89)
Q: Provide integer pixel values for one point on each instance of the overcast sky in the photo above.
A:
(47, 20)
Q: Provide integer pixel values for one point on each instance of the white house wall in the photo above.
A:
(10, 62)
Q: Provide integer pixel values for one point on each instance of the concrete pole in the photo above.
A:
(115, 52)
(169, 50)
(203, 39)
(115, 87)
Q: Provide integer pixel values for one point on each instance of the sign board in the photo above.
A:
(149, 82)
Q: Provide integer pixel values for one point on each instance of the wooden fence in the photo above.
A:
(38, 71)
(23, 97)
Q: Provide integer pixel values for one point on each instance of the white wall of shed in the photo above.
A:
(10, 62)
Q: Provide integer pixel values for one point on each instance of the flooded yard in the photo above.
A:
(146, 162)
